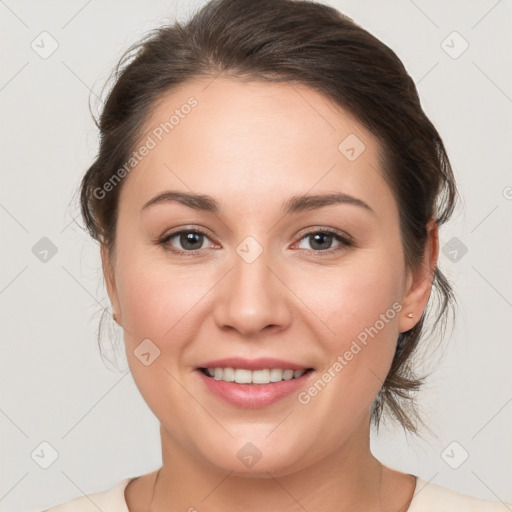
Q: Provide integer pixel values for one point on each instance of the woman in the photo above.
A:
(232, 149)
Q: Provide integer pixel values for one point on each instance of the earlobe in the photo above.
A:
(108, 275)
(419, 281)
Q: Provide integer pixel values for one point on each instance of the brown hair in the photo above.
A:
(306, 43)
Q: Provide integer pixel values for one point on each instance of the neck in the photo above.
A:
(348, 478)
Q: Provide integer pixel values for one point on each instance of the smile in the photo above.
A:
(245, 376)
(253, 388)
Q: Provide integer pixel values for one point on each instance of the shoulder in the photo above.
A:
(109, 500)
(429, 497)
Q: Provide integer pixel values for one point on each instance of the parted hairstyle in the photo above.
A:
(306, 43)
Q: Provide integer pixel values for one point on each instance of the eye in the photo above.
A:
(321, 241)
(192, 241)
(189, 240)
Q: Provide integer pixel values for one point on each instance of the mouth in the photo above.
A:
(258, 377)
(255, 385)
(255, 382)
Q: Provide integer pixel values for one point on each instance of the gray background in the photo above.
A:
(55, 387)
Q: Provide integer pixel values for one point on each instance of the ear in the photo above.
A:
(419, 281)
(108, 274)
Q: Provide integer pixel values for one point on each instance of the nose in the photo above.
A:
(252, 298)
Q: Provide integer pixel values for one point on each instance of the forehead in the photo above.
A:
(230, 139)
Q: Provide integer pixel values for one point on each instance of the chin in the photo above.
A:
(255, 459)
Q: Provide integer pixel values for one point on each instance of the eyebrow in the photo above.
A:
(295, 204)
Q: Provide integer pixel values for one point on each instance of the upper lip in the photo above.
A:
(253, 364)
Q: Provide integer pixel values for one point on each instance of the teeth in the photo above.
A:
(228, 375)
(243, 376)
(276, 375)
(260, 376)
(287, 374)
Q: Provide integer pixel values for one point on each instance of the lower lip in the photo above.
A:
(253, 396)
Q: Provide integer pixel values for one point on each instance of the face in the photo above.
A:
(261, 272)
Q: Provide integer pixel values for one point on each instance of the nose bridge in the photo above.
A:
(252, 298)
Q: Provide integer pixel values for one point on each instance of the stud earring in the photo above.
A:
(410, 315)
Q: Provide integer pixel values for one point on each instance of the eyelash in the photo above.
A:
(345, 241)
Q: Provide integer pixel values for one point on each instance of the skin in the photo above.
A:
(252, 146)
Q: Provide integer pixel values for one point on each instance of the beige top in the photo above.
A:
(428, 497)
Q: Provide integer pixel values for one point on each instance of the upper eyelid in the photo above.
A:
(167, 237)
(345, 237)
(332, 231)
(308, 230)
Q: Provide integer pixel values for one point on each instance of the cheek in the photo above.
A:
(158, 304)
(155, 299)
(353, 296)
(142, 300)
(360, 306)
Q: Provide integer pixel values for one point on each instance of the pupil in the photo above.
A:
(191, 238)
(322, 237)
